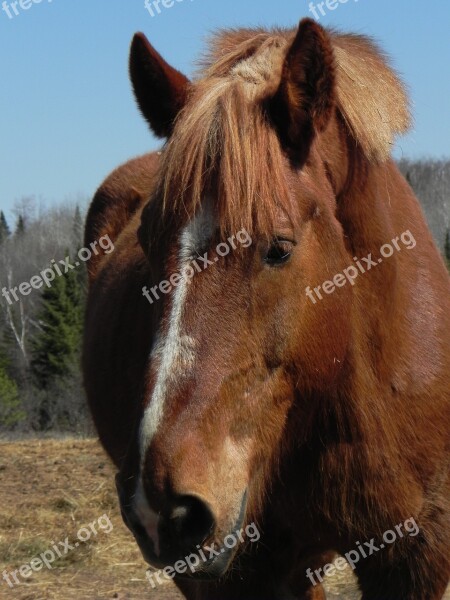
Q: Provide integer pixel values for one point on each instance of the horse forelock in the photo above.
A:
(224, 145)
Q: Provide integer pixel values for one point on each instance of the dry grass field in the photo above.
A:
(48, 491)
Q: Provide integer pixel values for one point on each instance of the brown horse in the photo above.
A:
(299, 381)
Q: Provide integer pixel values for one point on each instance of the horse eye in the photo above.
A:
(279, 252)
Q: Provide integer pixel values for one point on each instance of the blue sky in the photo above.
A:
(67, 115)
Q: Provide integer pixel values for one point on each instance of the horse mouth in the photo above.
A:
(212, 569)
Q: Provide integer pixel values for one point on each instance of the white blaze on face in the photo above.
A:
(173, 353)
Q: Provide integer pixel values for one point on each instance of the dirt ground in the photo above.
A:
(49, 491)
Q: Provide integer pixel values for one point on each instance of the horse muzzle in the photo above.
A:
(183, 540)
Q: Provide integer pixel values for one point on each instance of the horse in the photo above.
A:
(268, 346)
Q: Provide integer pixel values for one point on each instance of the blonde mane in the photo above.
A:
(223, 135)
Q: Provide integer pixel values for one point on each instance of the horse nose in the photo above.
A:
(189, 524)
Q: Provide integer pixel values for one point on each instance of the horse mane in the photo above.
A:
(224, 135)
(370, 95)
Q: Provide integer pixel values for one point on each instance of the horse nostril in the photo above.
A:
(190, 522)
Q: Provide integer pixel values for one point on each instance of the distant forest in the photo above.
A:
(40, 332)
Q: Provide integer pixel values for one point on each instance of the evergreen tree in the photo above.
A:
(76, 296)
(4, 229)
(56, 348)
(20, 226)
(10, 406)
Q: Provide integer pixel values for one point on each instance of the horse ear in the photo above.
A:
(304, 100)
(160, 90)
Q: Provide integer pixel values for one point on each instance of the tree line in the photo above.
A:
(41, 331)
(41, 326)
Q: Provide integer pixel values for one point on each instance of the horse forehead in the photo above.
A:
(197, 232)
(193, 238)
